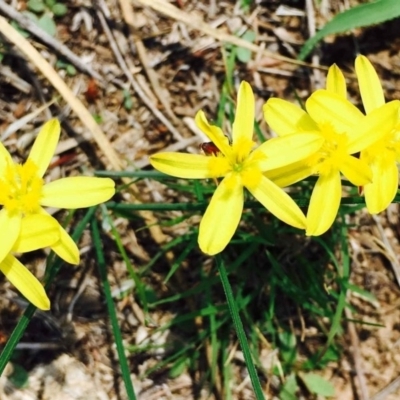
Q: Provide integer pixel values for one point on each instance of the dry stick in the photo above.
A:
(81, 111)
(30, 26)
(127, 14)
(387, 390)
(357, 359)
(136, 87)
(316, 75)
(153, 78)
(195, 22)
(14, 80)
(390, 253)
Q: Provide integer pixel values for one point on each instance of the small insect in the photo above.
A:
(92, 91)
(209, 149)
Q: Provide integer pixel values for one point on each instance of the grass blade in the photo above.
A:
(239, 329)
(357, 17)
(111, 311)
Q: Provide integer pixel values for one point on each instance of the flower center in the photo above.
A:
(241, 150)
(332, 152)
(21, 188)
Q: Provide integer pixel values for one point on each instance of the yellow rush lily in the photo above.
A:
(344, 130)
(383, 155)
(240, 167)
(26, 226)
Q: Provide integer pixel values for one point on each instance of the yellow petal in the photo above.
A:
(25, 282)
(37, 232)
(289, 174)
(370, 86)
(66, 248)
(288, 149)
(190, 166)
(324, 203)
(327, 107)
(278, 203)
(374, 127)
(77, 192)
(381, 192)
(10, 229)
(214, 133)
(285, 118)
(356, 171)
(335, 81)
(45, 145)
(243, 125)
(222, 216)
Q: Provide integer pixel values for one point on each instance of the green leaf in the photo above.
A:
(71, 70)
(244, 55)
(98, 118)
(33, 17)
(36, 6)
(102, 265)
(59, 10)
(47, 24)
(50, 3)
(150, 294)
(289, 389)
(318, 385)
(233, 308)
(15, 25)
(61, 64)
(179, 367)
(128, 103)
(19, 376)
(287, 347)
(320, 361)
(363, 293)
(359, 16)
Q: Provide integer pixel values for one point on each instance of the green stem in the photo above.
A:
(239, 329)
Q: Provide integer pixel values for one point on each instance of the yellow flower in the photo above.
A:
(26, 226)
(383, 155)
(344, 130)
(241, 167)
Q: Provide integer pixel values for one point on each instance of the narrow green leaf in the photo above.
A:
(357, 17)
(179, 367)
(287, 347)
(111, 312)
(239, 329)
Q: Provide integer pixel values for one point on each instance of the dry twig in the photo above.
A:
(82, 112)
(136, 87)
(27, 24)
(195, 22)
(357, 359)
